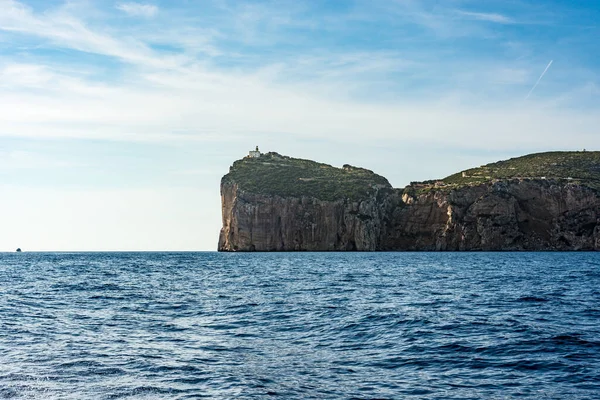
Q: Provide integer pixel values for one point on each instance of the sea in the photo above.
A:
(299, 325)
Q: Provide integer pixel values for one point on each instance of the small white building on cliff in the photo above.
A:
(255, 153)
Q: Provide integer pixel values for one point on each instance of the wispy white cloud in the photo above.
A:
(217, 81)
(172, 93)
(311, 94)
(443, 19)
(18, 75)
(138, 9)
(488, 17)
(68, 31)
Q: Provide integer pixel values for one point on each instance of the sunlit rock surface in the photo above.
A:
(546, 201)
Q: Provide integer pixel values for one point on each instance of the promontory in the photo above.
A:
(544, 201)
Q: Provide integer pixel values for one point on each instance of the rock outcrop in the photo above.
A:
(529, 214)
(272, 223)
(277, 203)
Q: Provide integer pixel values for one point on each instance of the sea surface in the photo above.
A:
(300, 325)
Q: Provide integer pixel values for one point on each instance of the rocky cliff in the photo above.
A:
(547, 201)
(277, 203)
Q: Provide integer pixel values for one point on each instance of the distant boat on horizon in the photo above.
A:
(18, 250)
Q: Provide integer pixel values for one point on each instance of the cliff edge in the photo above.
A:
(279, 203)
(545, 201)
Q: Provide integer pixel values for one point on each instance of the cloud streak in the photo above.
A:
(138, 10)
(224, 94)
(102, 103)
(539, 79)
(488, 17)
(68, 31)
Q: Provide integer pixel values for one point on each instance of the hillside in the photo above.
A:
(581, 167)
(545, 201)
(274, 174)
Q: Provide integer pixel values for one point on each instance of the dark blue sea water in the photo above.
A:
(300, 325)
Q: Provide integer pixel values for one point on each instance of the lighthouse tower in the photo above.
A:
(255, 153)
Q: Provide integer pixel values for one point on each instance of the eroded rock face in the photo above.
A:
(258, 222)
(518, 214)
(503, 215)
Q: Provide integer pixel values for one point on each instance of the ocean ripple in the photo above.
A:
(299, 325)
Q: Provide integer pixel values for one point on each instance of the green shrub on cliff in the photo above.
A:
(576, 166)
(274, 174)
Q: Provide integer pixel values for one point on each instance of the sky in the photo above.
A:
(118, 119)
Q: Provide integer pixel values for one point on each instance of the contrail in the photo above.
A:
(539, 79)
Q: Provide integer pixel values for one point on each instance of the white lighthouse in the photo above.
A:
(254, 153)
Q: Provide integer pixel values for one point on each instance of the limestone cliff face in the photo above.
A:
(531, 214)
(258, 222)
(505, 213)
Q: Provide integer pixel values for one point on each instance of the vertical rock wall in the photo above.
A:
(503, 215)
(254, 222)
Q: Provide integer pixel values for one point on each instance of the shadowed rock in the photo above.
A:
(546, 201)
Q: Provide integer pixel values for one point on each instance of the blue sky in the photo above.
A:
(118, 119)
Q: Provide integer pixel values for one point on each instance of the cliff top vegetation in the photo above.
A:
(274, 174)
(582, 167)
